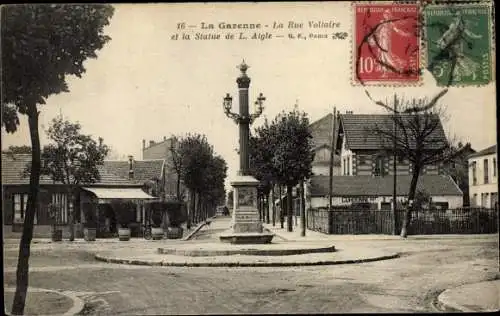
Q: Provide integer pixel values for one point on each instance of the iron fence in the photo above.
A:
(422, 222)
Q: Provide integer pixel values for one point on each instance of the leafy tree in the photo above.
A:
(213, 190)
(18, 150)
(176, 165)
(457, 167)
(230, 199)
(413, 132)
(72, 159)
(195, 153)
(293, 153)
(41, 44)
(261, 151)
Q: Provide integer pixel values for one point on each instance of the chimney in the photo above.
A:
(143, 144)
(130, 167)
(348, 112)
(164, 138)
(151, 143)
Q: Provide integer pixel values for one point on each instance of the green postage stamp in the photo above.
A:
(458, 40)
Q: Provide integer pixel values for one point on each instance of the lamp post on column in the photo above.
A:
(246, 226)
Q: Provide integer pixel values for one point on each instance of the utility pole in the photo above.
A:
(394, 167)
(332, 156)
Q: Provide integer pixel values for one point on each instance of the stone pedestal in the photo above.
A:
(246, 228)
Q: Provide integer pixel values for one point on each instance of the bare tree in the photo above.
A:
(414, 132)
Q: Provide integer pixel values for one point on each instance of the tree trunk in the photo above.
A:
(282, 215)
(266, 207)
(273, 206)
(289, 207)
(25, 243)
(302, 210)
(178, 189)
(190, 208)
(259, 206)
(71, 219)
(198, 208)
(409, 207)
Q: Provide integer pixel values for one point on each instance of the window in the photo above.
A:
(474, 178)
(348, 165)
(486, 173)
(344, 166)
(484, 199)
(494, 167)
(20, 205)
(61, 201)
(474, 200)
(379, 166)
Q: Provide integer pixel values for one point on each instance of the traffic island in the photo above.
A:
(45, 302)
(221, 249)
(254, 256)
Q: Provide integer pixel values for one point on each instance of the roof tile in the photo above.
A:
(358, 131)
(382, 186)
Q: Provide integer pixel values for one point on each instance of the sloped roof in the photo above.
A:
(382, 186)
(359, 130)
(13, 166)
(144, 170)
(487, 151)
(321, 130)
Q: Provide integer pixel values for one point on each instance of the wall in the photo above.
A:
(315, 202)
(159, 150)
(45, 197)
(346, 160)
(362, 163)
(476, 191)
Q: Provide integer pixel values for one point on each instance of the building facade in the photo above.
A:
(366, 170)
(163, 150)
(322, 132)
(483, 178)
(128, 180)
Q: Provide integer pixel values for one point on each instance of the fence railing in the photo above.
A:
(422, 222)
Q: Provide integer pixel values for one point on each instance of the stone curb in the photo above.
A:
(78, 303)
(445, 300)
(197, 229)
(240, 264)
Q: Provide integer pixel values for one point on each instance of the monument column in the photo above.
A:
(246, 226)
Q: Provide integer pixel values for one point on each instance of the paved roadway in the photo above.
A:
(406, 284)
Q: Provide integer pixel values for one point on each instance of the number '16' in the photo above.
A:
(365, 65)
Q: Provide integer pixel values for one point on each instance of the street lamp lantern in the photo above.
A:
(246, 226)
(228, 102)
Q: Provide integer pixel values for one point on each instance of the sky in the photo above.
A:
(144, 85)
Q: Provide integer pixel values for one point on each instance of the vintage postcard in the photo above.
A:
(221, 158)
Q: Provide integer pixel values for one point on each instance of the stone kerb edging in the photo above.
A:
(197, 229)
(78, 303)
(187, 263)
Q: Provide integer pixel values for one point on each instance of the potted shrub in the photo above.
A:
(123, 214)
(156, 220)
(54, 214)
(176, 212)
(90, 227)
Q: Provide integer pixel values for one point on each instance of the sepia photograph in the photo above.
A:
(249, 158)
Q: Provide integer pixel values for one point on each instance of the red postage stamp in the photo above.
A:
(386, 46)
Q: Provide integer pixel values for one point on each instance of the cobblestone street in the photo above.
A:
(427, 267)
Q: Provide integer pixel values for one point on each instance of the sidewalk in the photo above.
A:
(311, 235)
(285, 235)
(477, 297)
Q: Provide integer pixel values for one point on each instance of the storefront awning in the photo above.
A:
(105, 195)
